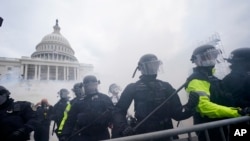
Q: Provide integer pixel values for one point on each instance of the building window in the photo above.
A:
(44, 72)
(31, 72)
(52, 73)
(71, 74)
(60, 73)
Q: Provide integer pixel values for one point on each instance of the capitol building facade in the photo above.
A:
(52, 65)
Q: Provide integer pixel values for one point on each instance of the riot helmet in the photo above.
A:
(240, 58)
(148, 65)
(90, 84)
(205, 56)
(239, 55)
(64, 93)
(4, 95)
(114, 89)
(77, 89)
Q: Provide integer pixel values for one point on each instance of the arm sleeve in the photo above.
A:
(205, 106)
(29, 115)
(120, 111)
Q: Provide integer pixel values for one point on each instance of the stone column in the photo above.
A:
(35, 77)
(25, 71)
(56, 72)
(78, 74)
(64, 71)
(39, 72)
(48, 73)
(75, 73)
(67, 73)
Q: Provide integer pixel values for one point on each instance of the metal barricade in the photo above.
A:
(185, 130)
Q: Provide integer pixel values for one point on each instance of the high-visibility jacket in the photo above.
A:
(65, 117)
(65, 114)
(200, 84)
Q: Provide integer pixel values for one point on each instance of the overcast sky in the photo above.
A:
(113, 34)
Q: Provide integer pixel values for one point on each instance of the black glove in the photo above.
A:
(128, 131)
(244, 111)
(193, 101)
(20, 134)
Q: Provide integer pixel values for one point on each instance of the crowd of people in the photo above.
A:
(93, 115)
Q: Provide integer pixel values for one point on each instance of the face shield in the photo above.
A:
(64, 94)
(115, 89)
(78, 91)
(91, 87)
(208, 58)
(150, 67)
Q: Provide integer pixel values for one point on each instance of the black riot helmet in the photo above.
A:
(205, 55)
(239, 55)
(148, 65)
(77, 89)
(90, 78)
(3, 90)
(64, 93)
(90, 84)
(240, 58)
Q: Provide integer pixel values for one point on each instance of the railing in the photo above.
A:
(184, 130)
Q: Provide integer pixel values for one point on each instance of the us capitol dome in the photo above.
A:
(54, 47)
(52, 60)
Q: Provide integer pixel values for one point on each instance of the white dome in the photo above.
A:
(54, 47)
(55, 38)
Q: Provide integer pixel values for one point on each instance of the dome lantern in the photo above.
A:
(56, 27)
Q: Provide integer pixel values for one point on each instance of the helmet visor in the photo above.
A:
(91, 87)
(151, 67)
(207, 58)
(64, 94)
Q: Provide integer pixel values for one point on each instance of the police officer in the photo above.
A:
(89, 117)
(79, 93)
(114, 90)
(203, 83)
(17, 119)
(237, 84)
(148, 93)
(43, 111)
(58, 109)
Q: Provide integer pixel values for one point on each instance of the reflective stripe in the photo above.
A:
(200, 93)
(65, 117)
